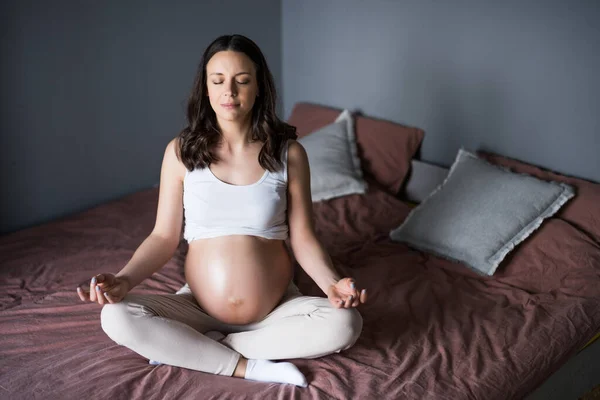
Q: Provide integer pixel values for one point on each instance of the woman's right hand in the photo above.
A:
(104, 289)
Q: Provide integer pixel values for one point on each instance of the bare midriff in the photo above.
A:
(238, 279)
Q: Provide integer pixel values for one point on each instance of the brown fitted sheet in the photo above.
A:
(432, 328)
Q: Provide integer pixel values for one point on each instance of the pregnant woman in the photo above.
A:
(238, 182)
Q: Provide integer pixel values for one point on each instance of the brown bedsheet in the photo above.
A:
(432, 328)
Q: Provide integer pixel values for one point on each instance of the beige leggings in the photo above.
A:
(169, 328)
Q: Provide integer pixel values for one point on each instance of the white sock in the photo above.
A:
(269, 371)
(214, 335)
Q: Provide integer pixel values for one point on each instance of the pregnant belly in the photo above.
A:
(238, 279)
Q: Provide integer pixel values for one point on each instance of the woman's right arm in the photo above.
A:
(161, 244)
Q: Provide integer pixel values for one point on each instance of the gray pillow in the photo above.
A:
(423, 180)
(480, 213)
(333, 157)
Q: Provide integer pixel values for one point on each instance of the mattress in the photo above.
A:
(433, 329)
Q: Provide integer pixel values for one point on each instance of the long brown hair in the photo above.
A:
(196, 141)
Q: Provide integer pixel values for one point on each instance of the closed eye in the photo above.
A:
(241, 83)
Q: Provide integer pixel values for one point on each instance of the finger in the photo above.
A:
(93, 289)
(363, 296)
(105, 297)
(100, 296)
(352, 284)
(334, 302)
(86, 294)
(108, 298)
(356, 299)
(348, 302)
(104, 281)
(81, 293)
(355, 291)
(338, 302)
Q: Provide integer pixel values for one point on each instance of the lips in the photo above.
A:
(230, 106)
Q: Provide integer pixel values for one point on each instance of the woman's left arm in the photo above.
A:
(307, 249)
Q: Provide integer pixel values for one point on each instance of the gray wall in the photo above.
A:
(92, 91)
(520, 78)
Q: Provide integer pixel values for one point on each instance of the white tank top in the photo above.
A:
(214, 208)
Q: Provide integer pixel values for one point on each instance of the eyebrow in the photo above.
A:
(239, 73)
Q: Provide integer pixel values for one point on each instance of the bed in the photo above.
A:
(433, 329)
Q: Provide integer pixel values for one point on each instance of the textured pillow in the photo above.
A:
(334, 164)
(385, 148)
(480, 213)
(422, 180)
(583, 211)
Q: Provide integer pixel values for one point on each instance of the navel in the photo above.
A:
(235, 301)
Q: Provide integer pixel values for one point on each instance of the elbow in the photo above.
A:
(168, 242)
(302, 242)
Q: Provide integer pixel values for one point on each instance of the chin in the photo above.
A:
(233, 116)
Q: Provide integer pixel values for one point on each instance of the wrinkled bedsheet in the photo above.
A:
(433, 329)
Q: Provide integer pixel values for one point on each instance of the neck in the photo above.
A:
(235, 134)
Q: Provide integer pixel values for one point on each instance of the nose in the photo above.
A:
(230, 89)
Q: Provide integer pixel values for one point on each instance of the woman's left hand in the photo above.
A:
(345, 294)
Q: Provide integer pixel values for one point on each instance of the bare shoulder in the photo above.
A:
(171, 162)
(297, 164)
(296, 154)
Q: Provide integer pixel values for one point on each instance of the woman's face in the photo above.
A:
(232, 85)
